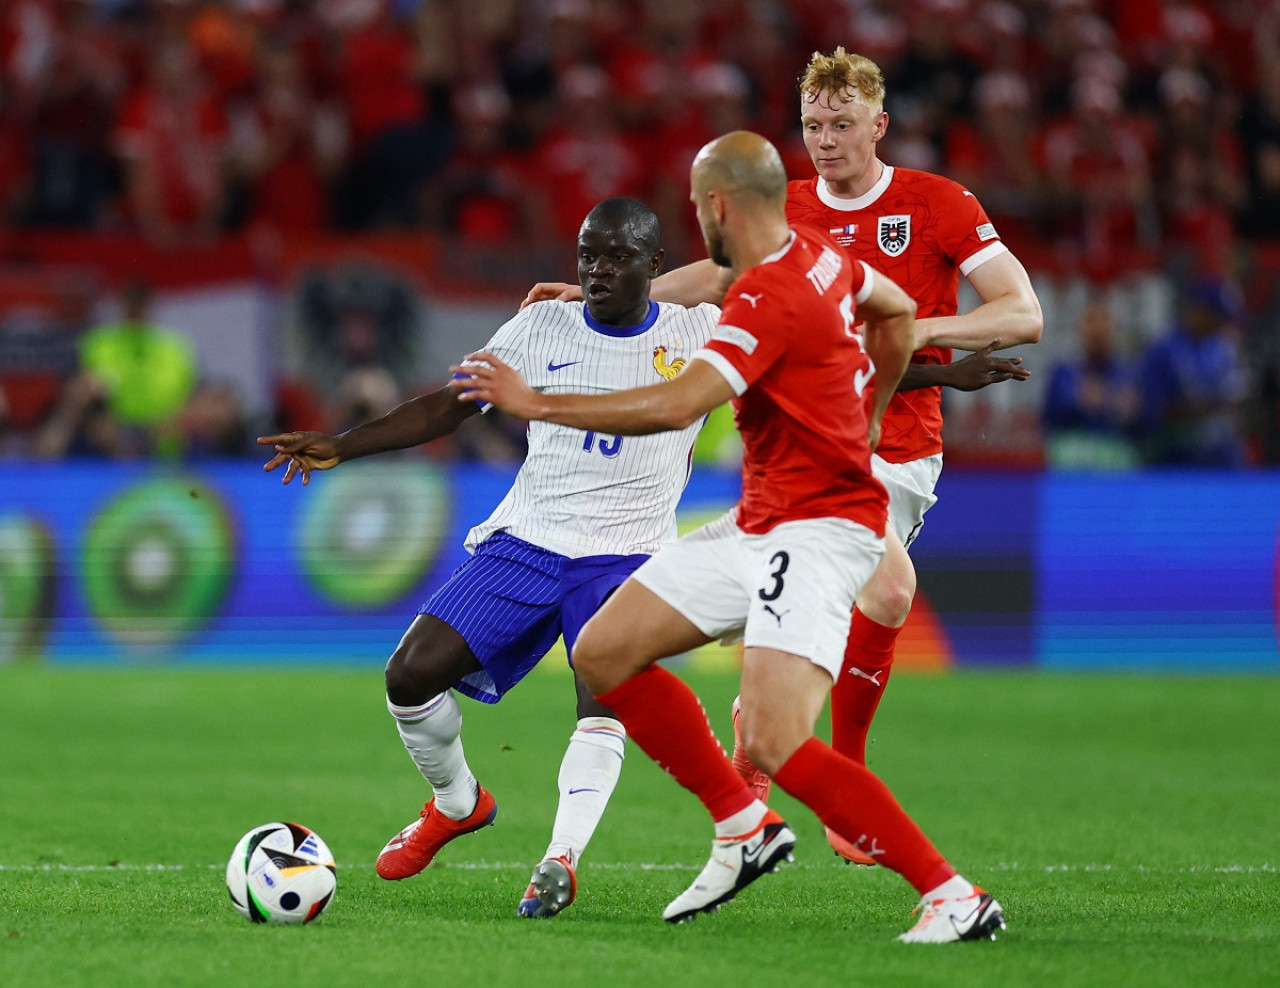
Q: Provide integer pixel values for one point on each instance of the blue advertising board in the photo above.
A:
(103, 562)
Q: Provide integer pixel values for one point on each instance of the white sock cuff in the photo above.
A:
(601, 732)
(417, 712)
(602, 724)
(955, 887)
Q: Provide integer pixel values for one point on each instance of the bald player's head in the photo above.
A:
(742, 171)
(740, 163)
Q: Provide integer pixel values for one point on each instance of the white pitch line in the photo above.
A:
(1227, 869)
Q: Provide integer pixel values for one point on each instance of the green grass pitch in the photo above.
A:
(1127, 824)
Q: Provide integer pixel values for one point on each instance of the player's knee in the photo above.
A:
(769, 744)
(404, 684)
(588, 656)
(412, 677)
(888, 602)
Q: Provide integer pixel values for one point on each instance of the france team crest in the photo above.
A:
(893, 233)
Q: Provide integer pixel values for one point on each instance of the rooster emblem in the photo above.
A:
(667, 370)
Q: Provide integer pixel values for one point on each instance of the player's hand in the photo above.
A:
(545, 291)
(303, 452)
(484, 378)
(980, 368)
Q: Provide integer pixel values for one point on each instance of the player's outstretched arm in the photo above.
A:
(411, 423)
(696, 283)
(1009, 311)
(664, 407)
(971, 372)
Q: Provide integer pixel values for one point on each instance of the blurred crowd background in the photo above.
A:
(222, 218)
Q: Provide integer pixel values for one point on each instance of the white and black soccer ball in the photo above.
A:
(281, 873)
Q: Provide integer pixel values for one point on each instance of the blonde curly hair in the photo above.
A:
(839, 73)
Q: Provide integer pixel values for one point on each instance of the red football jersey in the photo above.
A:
(786, 343)
(923, 231)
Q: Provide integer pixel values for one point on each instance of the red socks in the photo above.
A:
(850, 800)
(856, 693)
(664, 717)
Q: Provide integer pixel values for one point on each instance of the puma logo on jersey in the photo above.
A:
(776, 616)
(667, 370)
(751, 299)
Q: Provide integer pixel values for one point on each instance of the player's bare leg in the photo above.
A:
(882, 609)
(617, 658)
(430, 658)
(781, 697)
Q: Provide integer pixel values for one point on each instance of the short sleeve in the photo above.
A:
(965, 232)
(748, 340)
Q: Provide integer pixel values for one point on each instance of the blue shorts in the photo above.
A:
(511, 600)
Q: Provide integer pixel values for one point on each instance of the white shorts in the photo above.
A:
(791, 589)
(910, 486)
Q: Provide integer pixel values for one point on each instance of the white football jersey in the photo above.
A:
(584, 493)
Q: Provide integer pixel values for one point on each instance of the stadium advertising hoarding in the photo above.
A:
(212, 563)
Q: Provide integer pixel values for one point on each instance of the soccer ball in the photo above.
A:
(281, 873)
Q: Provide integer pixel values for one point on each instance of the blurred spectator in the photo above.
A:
(1201, 181)
(994, 156)
(70, 127)
(172, 137)
(358, 316)
(135, 378)
(721, 104)
(287, 146)
(480, 194)
(584, 158)
(397, 108)
(1193, 384)
(1092, 405)
(1260, 135)
(366, 393)
(82, 425)
(935, 75)
(15, 161)
(1099, 171)
(212, 424)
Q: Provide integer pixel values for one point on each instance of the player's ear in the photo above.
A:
(655, 262)
(882, 126)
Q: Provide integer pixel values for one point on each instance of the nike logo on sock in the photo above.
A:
(574, 791)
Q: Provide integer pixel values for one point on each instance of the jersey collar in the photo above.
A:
(863, 201)
(777, 254)
(622, 331)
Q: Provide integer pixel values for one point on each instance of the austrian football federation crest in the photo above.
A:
(893, 233)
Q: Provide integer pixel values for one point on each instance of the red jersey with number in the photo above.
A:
(923, 231)
(787, 344)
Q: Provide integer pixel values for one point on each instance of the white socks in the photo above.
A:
(955, 887)
(743, 823)
(588, 774)
(432, 734)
